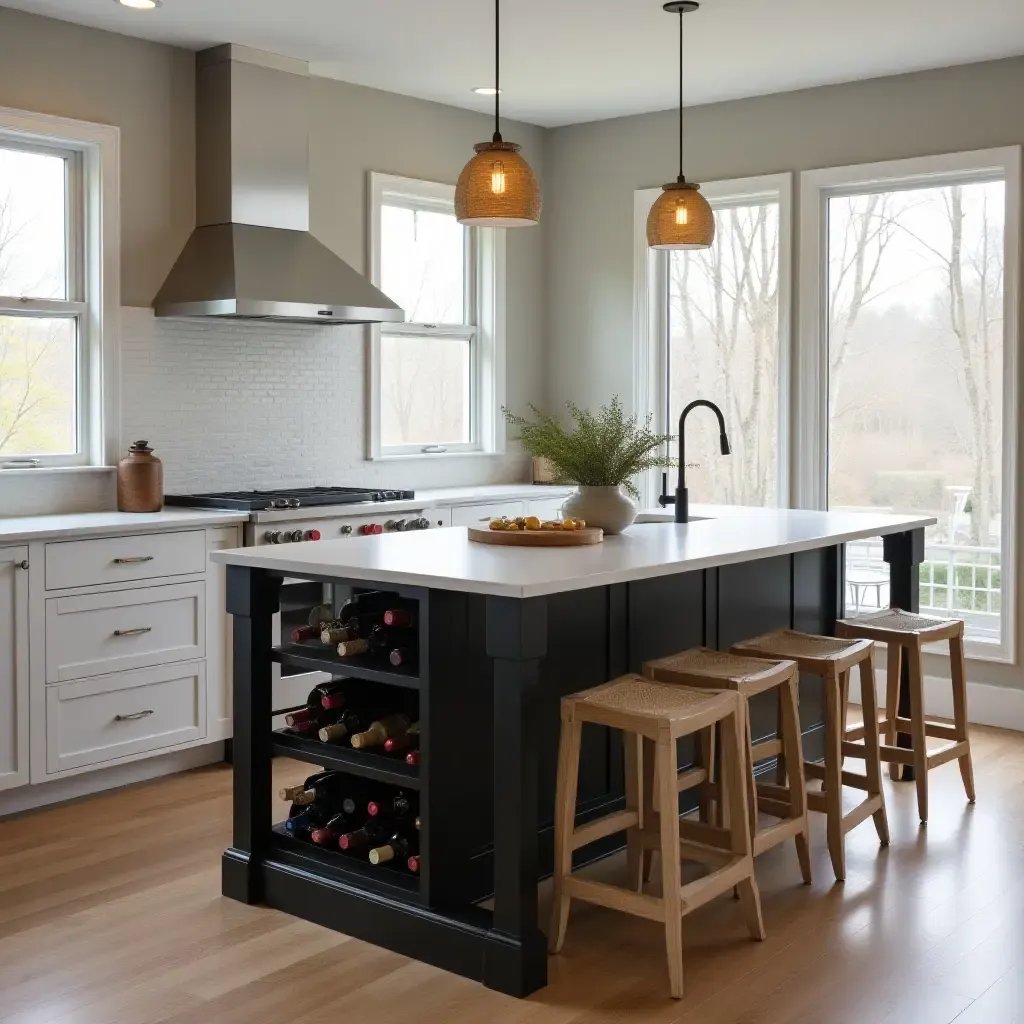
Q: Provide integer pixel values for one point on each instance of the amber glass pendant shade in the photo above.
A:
(497, 189)
(681, 218)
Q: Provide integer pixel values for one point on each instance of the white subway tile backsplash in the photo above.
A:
(249, 404)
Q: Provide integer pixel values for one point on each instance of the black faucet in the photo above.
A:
(681, 499)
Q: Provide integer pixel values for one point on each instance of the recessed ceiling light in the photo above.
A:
(486, 90)
(139, 5)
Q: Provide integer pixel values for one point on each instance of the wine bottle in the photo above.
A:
(377, 732)
(403, 741)
(400, 845)
(308, 819)
(320, 613)
(359, 839)
(413, 757)
(306, 793)
(395, 807)
(379, 642)
(332, 829)
(400, 656)
(335, 634)
(397, 617)
(347, 724)
(413, 864)
(305, 633)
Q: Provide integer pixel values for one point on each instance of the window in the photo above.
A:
(435, 379)
(914, 295)
(58, 234)
(717, 323)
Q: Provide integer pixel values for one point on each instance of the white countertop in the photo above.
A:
(83, 524)
(448, 560)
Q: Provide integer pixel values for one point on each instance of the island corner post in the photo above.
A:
(492, 670)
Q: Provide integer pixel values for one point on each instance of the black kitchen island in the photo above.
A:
(502, 634)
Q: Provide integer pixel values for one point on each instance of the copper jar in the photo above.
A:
(140, 480)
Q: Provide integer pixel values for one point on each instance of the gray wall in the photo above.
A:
(593, 170)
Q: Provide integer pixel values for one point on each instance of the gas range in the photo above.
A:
(293, 515)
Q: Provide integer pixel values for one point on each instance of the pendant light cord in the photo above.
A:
(681, 178)
(497, 69)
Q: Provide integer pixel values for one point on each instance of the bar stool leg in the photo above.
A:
(789, 730)
(565, 821)
(959, 678)
(748, 761)
(872, 762)
(917, 729)
(780, 765)
(634, 836)
(833, 774)
(648, 817)
(733, 779)
(704, 748)
(844, 708)
(668, 796)
(892, 701)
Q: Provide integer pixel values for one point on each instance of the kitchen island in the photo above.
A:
(503, 633)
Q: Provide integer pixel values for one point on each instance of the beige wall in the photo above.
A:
(593, 170)
(146, 90)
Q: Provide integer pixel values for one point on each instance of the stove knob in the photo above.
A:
(421, 524)
(346, 531)
(272, 536)
(368, 529)
(312, 535)
(377, 528)
(293, 503)
(392, 525)
(295, 535)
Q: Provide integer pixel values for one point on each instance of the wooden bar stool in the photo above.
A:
(659, 715)
(832, 660)
(748, 677)
(906, 631)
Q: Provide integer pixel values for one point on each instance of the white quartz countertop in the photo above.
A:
(446, 559)
(84, 524)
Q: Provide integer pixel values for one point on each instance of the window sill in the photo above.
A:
(436, 456)
(55, 471)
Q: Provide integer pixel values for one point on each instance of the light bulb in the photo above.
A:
(498, 178)
(682, 213)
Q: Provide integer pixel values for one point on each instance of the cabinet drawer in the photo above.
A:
(95, 634)
(100, 719)
(476, 515)
(83, 563)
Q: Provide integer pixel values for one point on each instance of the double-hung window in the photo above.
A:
(435, 380)
(58, 272)
(715, 325)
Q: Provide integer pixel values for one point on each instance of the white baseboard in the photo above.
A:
(27, 798)
(999, 706)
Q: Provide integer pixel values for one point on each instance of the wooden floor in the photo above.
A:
(110, 913)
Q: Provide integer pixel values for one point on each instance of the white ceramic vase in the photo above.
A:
(607, 507)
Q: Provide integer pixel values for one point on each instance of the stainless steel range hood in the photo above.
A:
(252, 255)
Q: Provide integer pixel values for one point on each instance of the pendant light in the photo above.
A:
(497, 188)
(681, 218)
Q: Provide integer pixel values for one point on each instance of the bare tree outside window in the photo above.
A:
(915, 285)
(724, 346)
(38, 351)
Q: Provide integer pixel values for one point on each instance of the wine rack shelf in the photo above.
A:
(318, 658)
(356, 762)
(343, 868)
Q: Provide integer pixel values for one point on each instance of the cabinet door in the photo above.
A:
(476, 515)
(218, 636)
(13, 667)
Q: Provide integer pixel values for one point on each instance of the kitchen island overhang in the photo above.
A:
(503, 634)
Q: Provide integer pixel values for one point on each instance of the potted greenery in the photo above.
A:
(602, 455)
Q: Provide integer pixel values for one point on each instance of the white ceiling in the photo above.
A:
(566, 61)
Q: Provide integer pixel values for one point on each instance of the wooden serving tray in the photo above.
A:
(539, 538)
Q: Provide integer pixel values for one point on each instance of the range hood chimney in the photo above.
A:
(251, 255)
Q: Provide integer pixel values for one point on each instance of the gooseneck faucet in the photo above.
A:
(681, 499)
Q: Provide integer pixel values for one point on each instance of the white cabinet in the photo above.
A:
(475, 515)
(218, 635)
(13, 667)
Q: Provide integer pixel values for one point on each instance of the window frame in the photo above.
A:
(485, 330)
(93, 293)
(810, 454)
(651, 315)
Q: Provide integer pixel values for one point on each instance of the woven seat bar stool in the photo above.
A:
(908, 632)
(659, 715)
(832, 660)
(748, 677)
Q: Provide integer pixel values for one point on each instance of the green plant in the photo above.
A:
(604, 450)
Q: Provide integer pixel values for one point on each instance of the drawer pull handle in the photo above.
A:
(138, 631)
(133, 717)
(134, 560)
(23, 564)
